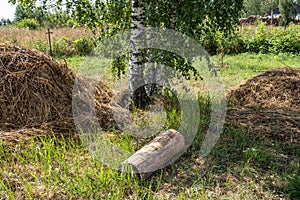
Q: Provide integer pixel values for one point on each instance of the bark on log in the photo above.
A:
(159, 153)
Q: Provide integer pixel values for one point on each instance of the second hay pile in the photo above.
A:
(268, 103)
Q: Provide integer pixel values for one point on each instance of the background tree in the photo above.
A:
(59, 18)
(112, 16)
(268, 5)
(287, 11)
(252, 7)
(23, 13)
(258, 7)
(51, 17)
(297, 2)
(36, 13)
(5, 22)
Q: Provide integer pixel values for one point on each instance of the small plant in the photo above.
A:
(250, 154)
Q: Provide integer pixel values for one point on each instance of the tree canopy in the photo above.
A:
(185, 16)
(258, 7)
(287, 11)
(112, 16)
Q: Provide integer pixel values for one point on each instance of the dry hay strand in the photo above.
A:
(274, 124)
(36, 92)
(23, 134)
(268, 103)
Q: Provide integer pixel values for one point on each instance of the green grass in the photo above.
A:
(246, 65)
(53, 168)
(74, 62)
(242, 165)
(237, 67)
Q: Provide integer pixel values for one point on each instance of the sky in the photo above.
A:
(7, 10)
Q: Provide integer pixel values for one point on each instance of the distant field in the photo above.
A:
(27, 37)
(79, 41)
(65, 41)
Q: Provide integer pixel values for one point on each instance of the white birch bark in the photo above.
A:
(137, 30)
(136, 79)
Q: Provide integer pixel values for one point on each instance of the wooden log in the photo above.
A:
(159, 153)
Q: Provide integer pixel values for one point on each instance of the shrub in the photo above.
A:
(269, 39)
(27, 23)
(41, 45)
(83, 46)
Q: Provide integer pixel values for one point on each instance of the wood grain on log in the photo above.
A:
(159, 153)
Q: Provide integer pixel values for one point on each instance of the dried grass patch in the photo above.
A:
(268, 103)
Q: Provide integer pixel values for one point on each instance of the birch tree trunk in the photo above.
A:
(137, 90)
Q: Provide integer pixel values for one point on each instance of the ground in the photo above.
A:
(244, 164)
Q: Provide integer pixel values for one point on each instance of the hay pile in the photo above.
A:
(268, 103)
(275, 88)
(36, 92)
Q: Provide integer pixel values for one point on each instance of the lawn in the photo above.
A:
(240, 67)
